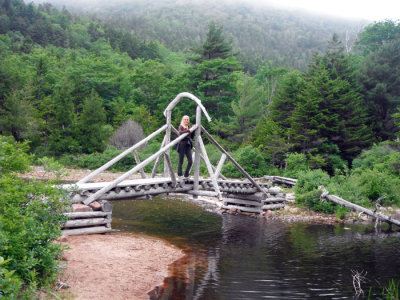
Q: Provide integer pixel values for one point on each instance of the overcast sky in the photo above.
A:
(373, 10)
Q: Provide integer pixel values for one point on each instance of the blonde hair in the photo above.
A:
(185, 116)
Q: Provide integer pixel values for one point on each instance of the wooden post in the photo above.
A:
(232, 160)
(167, 159)
(155, 167)
(137, 159)
(197, 153)
(122, 155)
(210, 171)
(167, 140)
(220, 165)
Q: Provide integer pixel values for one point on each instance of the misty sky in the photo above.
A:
(371, 10)
(374, 10)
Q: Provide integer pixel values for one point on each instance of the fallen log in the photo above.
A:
(340, 201)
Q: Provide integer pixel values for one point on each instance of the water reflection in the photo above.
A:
(240, 257)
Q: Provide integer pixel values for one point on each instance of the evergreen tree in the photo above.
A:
(270, 139)
(92, 133)
(281, 108)
(380, 73)
(215, 46)
(247, 111)
(331, 109)
(17, 115)
(62, 135)
(213, 74)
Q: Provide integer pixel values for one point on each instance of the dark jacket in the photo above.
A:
(188, 139)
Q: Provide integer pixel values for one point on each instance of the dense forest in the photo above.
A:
(297, 100)
(69, 82)
(260, 34)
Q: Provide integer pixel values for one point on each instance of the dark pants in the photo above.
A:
(185, 149)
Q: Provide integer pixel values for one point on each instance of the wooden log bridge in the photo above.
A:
(244, 195)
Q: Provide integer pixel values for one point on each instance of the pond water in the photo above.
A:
(242, 257)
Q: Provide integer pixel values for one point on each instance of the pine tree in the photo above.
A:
(247, 111)
(215, 46)
(331, 109)
(92, 134)
(62, 127)
(213, 73)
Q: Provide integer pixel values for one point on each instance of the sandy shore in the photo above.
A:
(115, 266)
(110, 266)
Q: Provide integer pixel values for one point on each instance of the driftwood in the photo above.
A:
(372, 213)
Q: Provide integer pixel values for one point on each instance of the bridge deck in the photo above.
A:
(154, 186)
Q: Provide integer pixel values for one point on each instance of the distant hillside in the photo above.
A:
(259, 33)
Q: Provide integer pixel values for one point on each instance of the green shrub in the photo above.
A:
(13, 156)
(250, 159)
(295, 163)
(307, 192)
(96, 160)
(384, 157)
(30, 221)
(10, 284)
(336, 165)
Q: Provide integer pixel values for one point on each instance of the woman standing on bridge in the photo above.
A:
(185, 147)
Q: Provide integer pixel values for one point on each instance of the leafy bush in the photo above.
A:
(384, 157)
(365, 187)
(13, 155)
(295, 164)
(307, 192)
(96, 160)
(251, 161)
(29, 222)
(9, 283)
